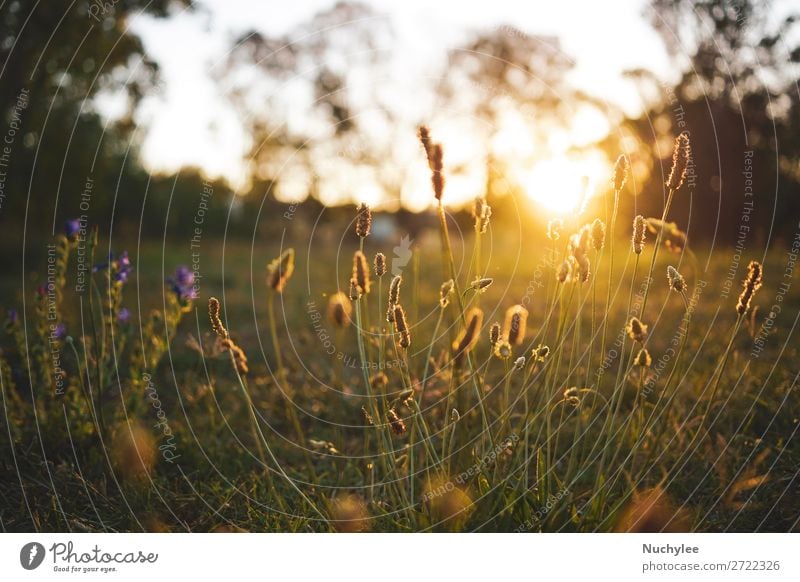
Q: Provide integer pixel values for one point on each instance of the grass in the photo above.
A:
(340, 427)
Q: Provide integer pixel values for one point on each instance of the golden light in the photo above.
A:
(564, 184)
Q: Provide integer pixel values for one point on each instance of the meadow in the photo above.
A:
(600, 374)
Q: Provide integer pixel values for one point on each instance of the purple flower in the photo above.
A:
(124, 316)
(123, 268)
(72, 228)
(60, 331)
(183, 283)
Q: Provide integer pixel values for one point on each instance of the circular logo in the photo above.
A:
(31, 555)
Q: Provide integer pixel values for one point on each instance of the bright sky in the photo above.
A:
(189, 123)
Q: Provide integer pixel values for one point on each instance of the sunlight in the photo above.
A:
(562, 184)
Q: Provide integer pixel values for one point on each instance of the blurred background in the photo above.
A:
(138, 115)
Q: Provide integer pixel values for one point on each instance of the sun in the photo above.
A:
(563, 184)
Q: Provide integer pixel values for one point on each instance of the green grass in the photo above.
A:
(569, 468)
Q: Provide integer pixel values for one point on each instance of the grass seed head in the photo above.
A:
(494, 334)
(502, 349)
(598, 234)
(340, 310)
(367, 416)
(361, 272)
(394, 290)
(643, 358)
(396, 423)
(676, 280)
(469, 335)
(280, 270)
(621, 168)
(481, 212)
(216, 322)
(639, 225)
(564, 271)
(437, 175)
(445, 291)
(681, 157)
(540, 353)
(554, 229)
(355, 290)
(515, 324)
(480, 284)
(380, 264)
(363, 221)
(519, 363)
(637, 330)
(751, 284)
(401, 326)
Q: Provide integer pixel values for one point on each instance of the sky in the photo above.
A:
(189, 121)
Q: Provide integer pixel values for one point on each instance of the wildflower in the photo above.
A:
(681, 156)
(502, 349)
(621, 168)
(380, 265)
(123, 316)
(598, 234)
(639, 225)
(363, 221)
(643, 358)
(401, 326)
(444, 293)
(280, 270)
(750, 285)
(515, 324)
(59, 332)
(182, 283)
(469, 335)
(339, 309)
(554, 229)
(361, 272)
(72, 228)
(494, 334)
(480, 284)
(676, 280)
(122, 268)
(396, 423)
(637, 330)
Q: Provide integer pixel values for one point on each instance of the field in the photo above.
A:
(296, 409)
